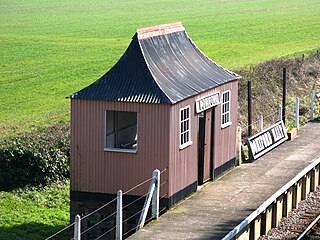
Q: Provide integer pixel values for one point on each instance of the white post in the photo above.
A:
(239, 130)
(296, 123)
(147, 202)
(279, 113)
(261, 123)
(312, 105)
(155, 196)
(77, 228)
(119, 216)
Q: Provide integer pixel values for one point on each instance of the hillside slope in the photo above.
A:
(50, 49)
(303, 75)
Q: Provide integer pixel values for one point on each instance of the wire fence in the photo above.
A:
(309, 107)
(298, 111)
(101, 223)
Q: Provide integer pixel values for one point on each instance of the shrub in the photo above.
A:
(37, 158)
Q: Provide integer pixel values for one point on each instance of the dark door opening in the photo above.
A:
(205, 146)
(201, 130)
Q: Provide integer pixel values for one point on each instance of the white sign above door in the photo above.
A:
(207, 102)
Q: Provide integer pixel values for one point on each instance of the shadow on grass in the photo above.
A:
(33, 231)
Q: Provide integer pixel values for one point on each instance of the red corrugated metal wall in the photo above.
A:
(225, 138)
(183, 163)
(95, 170)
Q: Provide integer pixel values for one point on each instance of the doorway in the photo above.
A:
(205, 146)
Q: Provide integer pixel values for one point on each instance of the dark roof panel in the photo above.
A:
(161, 65)
(128, 81)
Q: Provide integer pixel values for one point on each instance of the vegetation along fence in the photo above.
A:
(298, 112)
(77, 230)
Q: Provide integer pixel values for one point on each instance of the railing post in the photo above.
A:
(312, 106)
(155, 196)
(284, 95)
(249, 109)
(279, 113)
(239, 133)
(261, 123)
(77, 227)
(296, 122)
(119, 216)
(146, 205)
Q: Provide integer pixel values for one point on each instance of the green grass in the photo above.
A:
(50, 49)
(34, 213)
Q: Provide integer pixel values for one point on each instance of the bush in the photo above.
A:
(36, 158)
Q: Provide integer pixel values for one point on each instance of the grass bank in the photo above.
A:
(34, 213)
(50, 49)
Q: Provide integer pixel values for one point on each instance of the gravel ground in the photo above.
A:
(292, 222)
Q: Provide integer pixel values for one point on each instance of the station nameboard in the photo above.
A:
(268, 139)
(207, 102)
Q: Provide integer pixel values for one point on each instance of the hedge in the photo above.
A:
(36, 158)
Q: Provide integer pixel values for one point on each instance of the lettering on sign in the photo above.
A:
(268, 139)
(207, 102)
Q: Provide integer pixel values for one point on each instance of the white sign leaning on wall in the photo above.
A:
(207, 102)
(268, 139)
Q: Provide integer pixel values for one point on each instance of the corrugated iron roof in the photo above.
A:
(161, 65)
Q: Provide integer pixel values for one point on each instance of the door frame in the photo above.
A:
(201, 145)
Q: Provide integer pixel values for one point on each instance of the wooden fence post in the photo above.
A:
(296, 122)
(284, 95)
(312, 106)
(77, 227)
(249, 109)
(119, 216)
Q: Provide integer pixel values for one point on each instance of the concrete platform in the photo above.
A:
(217, 208)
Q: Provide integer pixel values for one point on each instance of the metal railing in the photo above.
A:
(152, 200)
(269, 214)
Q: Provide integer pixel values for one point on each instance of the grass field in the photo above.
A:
(34, 214)
(50, 49)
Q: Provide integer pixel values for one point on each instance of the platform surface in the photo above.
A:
(218, 207)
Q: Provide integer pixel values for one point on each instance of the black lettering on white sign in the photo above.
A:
(207, 102)
(268, 139)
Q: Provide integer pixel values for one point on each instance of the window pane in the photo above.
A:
(184, 125)
(110, 122)
(124, 133)
(110, 140)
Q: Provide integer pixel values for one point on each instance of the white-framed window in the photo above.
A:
(121, 131)
(185, 127)
(225, 109)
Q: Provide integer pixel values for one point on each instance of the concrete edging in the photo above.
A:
(243, 229)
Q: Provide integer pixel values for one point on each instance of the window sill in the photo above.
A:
(185, 145)
(121, 150)
(226, 125)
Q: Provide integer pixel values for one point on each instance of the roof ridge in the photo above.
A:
(158, 30)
